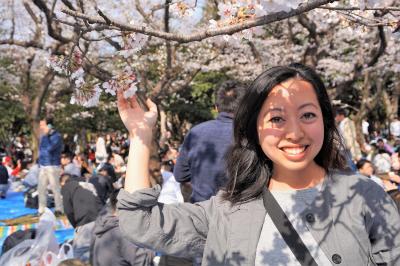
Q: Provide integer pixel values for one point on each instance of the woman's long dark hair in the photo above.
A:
(248, 168)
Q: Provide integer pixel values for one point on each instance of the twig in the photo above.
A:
(392, 8)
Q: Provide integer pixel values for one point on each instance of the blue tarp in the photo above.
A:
(13, 206)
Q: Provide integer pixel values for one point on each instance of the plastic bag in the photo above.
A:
(51, 259)
(40, 251)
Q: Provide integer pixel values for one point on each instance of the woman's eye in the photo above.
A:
(276, 120)
(309, 116)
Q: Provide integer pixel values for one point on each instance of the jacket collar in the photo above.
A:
(225, 117)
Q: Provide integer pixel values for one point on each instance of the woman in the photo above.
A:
(285, 140)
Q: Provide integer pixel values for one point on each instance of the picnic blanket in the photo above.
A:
(13, 207)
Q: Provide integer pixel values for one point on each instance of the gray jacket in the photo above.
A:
(109, 248)
(354, 221)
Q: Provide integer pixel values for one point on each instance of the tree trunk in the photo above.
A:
(35, 135)
(363, 111)
(395, 99)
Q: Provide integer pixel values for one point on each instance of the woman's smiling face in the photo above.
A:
(290, 126)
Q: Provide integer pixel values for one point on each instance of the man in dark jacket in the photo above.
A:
(50, 149)
(103, 182)
(201, 158)
(109, 247)
(81, 205)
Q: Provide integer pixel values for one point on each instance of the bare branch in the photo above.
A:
(309, 56)
(145, 16)
(382, 47)
(37, 21)
(190, 76)
(81, 6)
(167, 43)
(25, 44)
(362, 20)
(12, 21)
(53, 28)
(101, 14)
(31, 13)
(162, 6)
(309, 25)
(144, 29)
(255, 52)
(359, 66)
(68, 4)
(391, 8)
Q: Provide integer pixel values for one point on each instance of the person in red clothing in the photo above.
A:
(17, 168)
(7, 162)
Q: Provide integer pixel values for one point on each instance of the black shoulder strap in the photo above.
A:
(287, 230)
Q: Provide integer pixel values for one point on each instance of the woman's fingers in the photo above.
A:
(122, 102)
(151, 105)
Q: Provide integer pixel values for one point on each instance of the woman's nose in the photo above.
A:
(294, 130)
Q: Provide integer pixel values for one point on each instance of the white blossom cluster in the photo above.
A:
(82, 115)
(86, 98)
(133, 43)
(235, 12)
(89, 96)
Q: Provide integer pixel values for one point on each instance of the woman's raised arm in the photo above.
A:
(139, 124)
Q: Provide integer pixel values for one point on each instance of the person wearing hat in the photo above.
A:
(103, 181)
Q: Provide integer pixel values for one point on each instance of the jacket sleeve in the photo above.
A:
(176, 229)
(134, 255)
(182, 166)
(382, 221)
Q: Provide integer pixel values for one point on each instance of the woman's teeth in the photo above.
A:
(294, 151)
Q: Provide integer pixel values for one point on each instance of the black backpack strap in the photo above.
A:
(287, 231)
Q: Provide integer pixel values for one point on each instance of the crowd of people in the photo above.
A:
(81, 183)
(277, 141)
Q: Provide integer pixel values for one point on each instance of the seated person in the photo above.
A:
(103, 182)
(109, 247)
(31, 178)
(366, 168)
(81, 205)
(68, 166)
(4, 183)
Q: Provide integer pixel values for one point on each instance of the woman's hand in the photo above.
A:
(140, 125)
(132, 115)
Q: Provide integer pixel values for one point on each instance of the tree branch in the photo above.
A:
(144, 29)
(375, 55)
(145, 16)
(309, 56)
(255, 52)
(37, 21)
(21, 43)
(12, 21)
(381, 49)
(53, 28)
(363, 21)
(68, 4)
(335, 8)
(167, 43)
